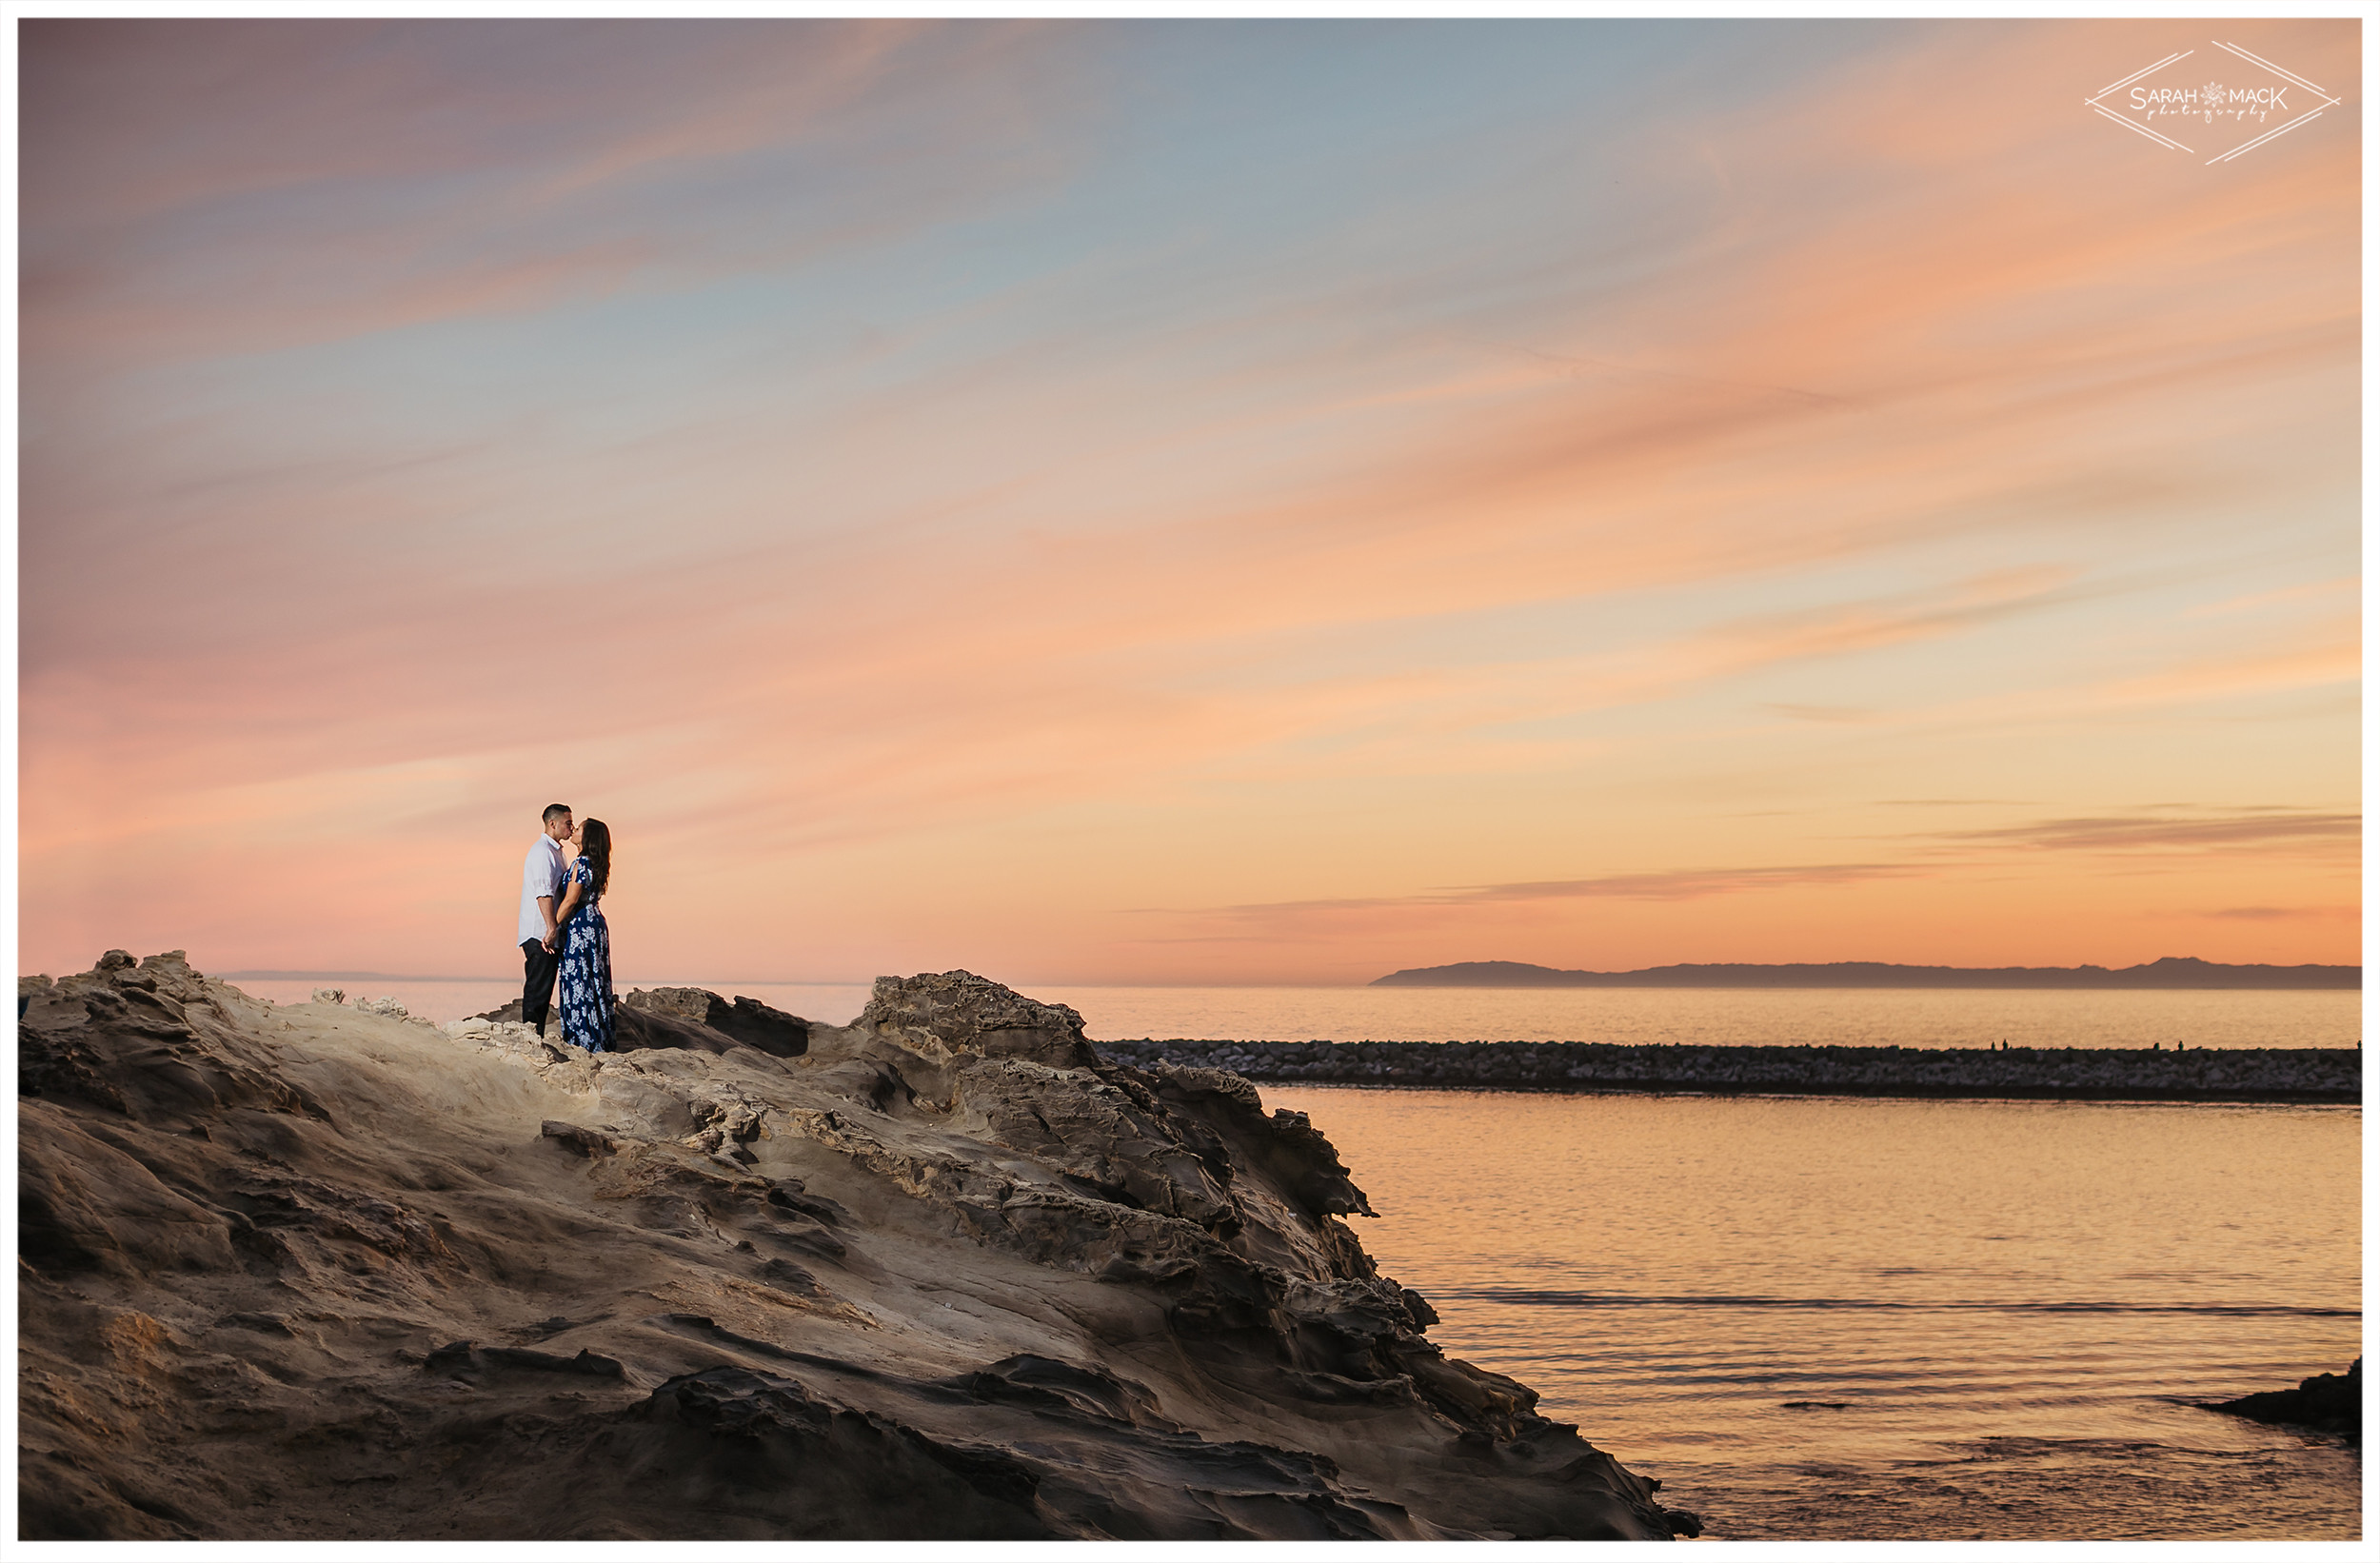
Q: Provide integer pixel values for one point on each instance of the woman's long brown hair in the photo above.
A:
(595, 844)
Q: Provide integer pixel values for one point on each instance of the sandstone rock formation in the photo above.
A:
(310, 1272)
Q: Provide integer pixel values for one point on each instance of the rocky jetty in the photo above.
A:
(315, 1272)
(2301, 1074)
(2327, 1402)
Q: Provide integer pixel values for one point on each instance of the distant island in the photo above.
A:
(2171, 972)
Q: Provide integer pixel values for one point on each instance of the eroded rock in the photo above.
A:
(945, 1272)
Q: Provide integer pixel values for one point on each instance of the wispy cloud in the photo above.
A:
(2287, 914)
(365, 176)
(1676, 884)
(2271, 826)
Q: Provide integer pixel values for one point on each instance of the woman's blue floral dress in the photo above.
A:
(585, 990)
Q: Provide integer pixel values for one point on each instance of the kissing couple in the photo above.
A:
(562, 932)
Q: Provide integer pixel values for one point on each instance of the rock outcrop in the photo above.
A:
(313, 1272)
(2327, 1402)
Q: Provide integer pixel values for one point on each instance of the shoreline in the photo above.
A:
(2305, 1076)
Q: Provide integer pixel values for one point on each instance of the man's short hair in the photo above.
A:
(555, 811)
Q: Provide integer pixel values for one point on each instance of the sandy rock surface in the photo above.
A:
(312, 1272)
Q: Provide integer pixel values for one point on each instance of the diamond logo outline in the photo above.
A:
(2203, 101)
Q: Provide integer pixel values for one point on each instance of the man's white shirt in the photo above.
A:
(541, 875)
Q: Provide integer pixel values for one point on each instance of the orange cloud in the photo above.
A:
(2262, 829)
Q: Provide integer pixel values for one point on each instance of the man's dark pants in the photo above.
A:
(537, 986)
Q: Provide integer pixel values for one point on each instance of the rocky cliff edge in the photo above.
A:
(319, 1271)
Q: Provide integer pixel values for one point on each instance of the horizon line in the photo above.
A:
(410, 977)
(276, 976)
(746, 981)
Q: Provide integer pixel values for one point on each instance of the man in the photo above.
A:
(541, 883)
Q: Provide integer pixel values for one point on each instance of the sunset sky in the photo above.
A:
(1185, 502)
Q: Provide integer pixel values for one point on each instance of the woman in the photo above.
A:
(583, 942)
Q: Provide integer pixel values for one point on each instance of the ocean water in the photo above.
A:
(1848, 1017)
(1841, 1319)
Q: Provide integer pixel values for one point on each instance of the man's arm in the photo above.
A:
(537, 883)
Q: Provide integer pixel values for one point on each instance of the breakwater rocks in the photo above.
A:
(2301, 1074)
(326, 1271)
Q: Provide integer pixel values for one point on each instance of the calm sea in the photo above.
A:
(1843, 1318)
(1852, 1317)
